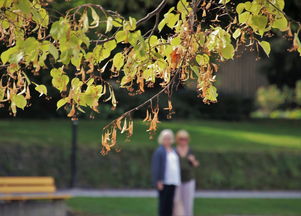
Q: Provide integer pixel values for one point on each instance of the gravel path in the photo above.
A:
(199, 194)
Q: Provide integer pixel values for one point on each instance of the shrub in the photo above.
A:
(131, 168)
(269, 98)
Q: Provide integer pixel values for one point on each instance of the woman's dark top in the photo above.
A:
(187, 169)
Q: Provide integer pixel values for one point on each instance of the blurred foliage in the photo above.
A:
(131, 168)
(269, 98)
(278, 103)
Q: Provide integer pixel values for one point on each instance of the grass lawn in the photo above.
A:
(205, 135)
(147, 206)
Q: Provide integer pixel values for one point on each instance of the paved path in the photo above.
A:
(199, 194)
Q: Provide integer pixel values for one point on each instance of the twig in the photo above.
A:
(170, 84)
(151, 14)
(286, 16)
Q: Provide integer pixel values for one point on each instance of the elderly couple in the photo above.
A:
(173, 174)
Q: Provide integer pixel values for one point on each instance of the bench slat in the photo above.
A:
(27, 189)
(34, 197)
(26, 181)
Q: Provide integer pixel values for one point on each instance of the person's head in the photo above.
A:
(182, 138)
(166, 138)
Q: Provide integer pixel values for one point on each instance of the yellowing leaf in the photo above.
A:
(224, 1)
(95, 17)
(109, 24)
(237, 33)
(266, 47)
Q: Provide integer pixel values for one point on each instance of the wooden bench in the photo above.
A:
(29, 188)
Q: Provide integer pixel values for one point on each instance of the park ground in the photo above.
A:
(203, 207)
(216, 136)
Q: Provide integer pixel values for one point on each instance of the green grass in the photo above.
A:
(205, 135)
(147, 206)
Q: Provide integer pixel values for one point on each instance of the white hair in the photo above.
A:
(163, 134)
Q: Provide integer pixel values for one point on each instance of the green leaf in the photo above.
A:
(228, 52)
(25, 6)
(161, 25)
(237, 33)
(53, 51)
(266, 47)
(176, 41)
(280, 4)
(41, 89)
(120, 36)
(5, 56)
(59, 29)
(59, 80)
(76, 60)
(117, 22)
(211, 94)
(182, 7)
(244, 17)
(259, 21)
(118, 61)
(19, 101)
(202, 59)
(61, 103)
(110, 45)
(132, 22)
(171, 19)
(240, 8)
(281, 24)
(109, 24)
(153, 40)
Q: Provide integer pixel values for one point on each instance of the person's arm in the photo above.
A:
(193, 160)
(157, 170)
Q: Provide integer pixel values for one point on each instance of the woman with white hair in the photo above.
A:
(166, 172)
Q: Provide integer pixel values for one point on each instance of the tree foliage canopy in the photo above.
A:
(187, 42)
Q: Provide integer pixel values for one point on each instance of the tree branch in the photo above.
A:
(153, 13)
